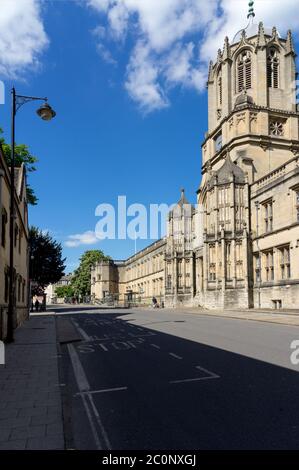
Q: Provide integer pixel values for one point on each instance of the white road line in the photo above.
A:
(99, 421)
(80, 375)
(103, 347)
(104, 390)
(93, 428)
(83, 386)
(155, 346)
(82, 332)
(196, 379)
(212, 374)
(175, 355)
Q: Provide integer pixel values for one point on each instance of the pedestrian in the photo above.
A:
(36, 305)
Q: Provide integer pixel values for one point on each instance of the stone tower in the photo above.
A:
(253, 129)
(179, 269)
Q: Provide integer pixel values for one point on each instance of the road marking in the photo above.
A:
(93, 428)
(155, 346)
(95, 338)
(99, 421)
(196, 379)
(212, 374)
(83, 386)
(80, 375)
(175, 355)
(138, 335)
(104, 390)
(82, 332)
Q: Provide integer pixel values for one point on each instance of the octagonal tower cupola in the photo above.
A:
(258, 60)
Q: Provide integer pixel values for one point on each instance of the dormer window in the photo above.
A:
(273, 68)
(244, 71)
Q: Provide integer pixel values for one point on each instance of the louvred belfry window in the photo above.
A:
(244, 71)
(273, 68)
(220, 90)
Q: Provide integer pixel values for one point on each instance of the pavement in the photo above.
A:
(157, 379)
(283, 317)
(30, 399)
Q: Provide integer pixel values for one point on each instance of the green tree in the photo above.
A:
(64, 291)
(22, 155)
(46, 262)
(81, 278)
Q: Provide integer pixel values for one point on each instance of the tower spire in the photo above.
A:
(251, 13)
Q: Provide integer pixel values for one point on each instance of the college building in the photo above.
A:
(21, 250)
(239, 246)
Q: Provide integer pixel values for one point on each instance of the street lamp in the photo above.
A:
(46, 113)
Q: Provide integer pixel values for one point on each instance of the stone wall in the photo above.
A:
(277, 296)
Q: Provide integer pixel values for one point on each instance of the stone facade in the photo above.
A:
(136, 280)
(21, 252)
(239, 247)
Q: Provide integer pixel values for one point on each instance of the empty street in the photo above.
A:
(160, 379)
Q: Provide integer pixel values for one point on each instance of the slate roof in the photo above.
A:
(227, 173)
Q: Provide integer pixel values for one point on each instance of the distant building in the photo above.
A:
(137, 279)
(51, 297)
(239, 248)
(21, 250)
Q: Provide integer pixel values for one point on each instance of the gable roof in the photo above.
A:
(227, 173)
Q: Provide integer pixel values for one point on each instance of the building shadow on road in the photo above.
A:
(155, 390)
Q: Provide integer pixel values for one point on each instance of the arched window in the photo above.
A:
(244, 71)
(273, 68)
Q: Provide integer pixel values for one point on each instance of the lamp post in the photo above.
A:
(46, 113)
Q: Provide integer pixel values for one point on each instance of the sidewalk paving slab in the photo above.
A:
(282, 317)
(30, 401)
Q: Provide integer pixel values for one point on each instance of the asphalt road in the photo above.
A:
(167, 380)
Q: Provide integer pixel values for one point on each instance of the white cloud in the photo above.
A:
(105, 54)
(99, 33)
(283, 15)
(22, 36)
(86, 238)
(180, 68)
(118, 19)
(175, 39)
(142, 79)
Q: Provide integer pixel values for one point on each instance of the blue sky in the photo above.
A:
(131, 104)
